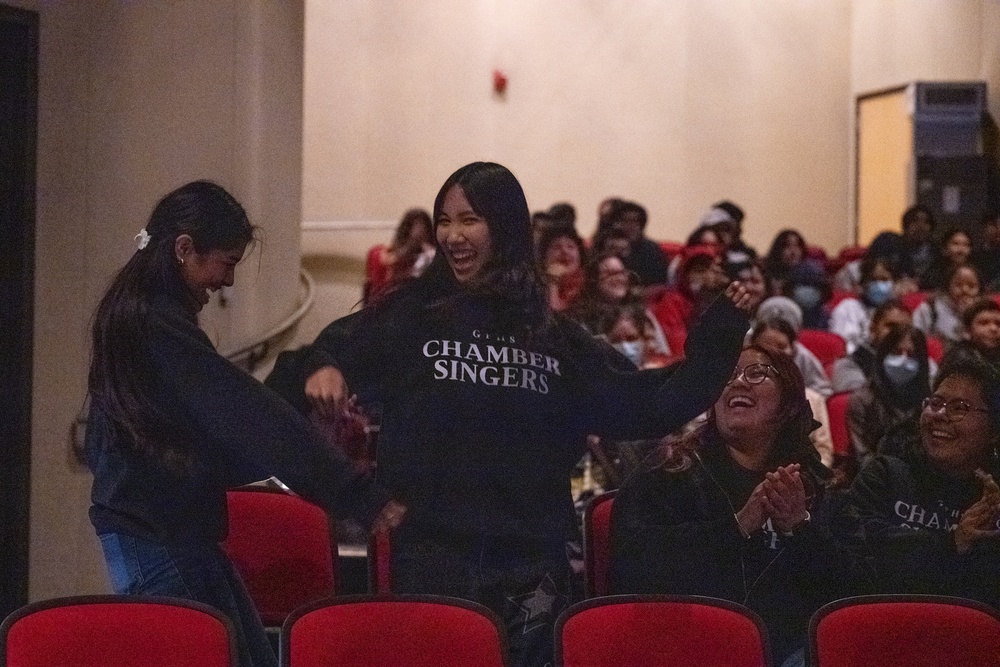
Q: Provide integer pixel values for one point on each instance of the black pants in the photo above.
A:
(527, 594)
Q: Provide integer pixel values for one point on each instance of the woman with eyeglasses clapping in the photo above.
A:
(928, 519)
(737, 509)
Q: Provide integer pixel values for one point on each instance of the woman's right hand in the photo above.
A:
(741, 297)
(752, 515)
(979, 520)
(326, 390)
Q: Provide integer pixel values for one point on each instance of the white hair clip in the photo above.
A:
(142, 238)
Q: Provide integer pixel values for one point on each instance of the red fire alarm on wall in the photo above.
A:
(499, 82)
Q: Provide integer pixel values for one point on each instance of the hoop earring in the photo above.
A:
(182, 261)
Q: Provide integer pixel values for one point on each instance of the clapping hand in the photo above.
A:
(979, 520)
(785, 497)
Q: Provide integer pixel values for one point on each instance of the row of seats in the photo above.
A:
(417, 631)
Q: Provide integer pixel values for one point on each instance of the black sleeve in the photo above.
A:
(661, 544)
(249, 427)
(903, 559)
(653, 403)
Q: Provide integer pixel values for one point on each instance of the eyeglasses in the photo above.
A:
(753, 373)
(954, 410)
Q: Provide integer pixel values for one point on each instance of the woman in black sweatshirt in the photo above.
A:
(487, 398)
(737, 509)
(173, 424)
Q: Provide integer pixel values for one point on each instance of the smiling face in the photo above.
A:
(793, 251)
(744, 407)
(210, 271)
(963, 287)
(564, 252)
(463, 236)
(984, 330)
(612, 279)
(958, 248)
(957, 448)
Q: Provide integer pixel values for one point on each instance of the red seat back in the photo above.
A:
(597, 544)
(913, 300)
(827, 346)
(379, 563)
(903, 631)
(657, 630)
(391, 631)
(283, 548)
(836, 407)
(851, 253)
(117, 631)
(935, 349)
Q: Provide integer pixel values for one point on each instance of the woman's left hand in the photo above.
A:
(785, 497)
(741, 297)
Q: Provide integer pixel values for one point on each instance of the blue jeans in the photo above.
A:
(200, 572)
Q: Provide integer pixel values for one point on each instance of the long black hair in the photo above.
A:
(120, 380)
(510, 274)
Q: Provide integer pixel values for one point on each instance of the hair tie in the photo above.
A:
(142, 238)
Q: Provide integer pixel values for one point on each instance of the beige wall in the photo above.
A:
(135, 99)
(895, 42)
(674, 104)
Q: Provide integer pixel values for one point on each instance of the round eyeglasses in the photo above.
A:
(753, 373)
(954, 410)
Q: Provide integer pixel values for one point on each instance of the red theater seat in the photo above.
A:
(117, 631)
(393, 631)
(283, 548)
(597, 545)
(904, 631)
(657, 630)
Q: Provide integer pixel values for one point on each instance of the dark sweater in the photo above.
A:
(904, 512)
(239, 431)
(676, 533)
(483, 422)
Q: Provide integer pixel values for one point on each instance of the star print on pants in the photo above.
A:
(536, 606)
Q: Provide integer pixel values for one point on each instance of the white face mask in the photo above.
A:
(900, 369)
(632, 349)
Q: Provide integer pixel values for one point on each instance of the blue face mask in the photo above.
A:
(900, 369)
(878, 292)
(632, 349)
(807, 296)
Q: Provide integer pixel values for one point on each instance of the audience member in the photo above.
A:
(778, 336)
(699, 281)
(956, 249)
(981, 322)
(627, 329)
(941, 315)
(781, 307)
(883, 412)
(928, 519)
(410, 252)
(561, 256)
(851, 318)
(737, 251)
(787, 250)
(645, 256)
(918, 250)
(887, 246)
(608, 285)
(850, 372)
(987, 256)
(737, 509)
(806, 284)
